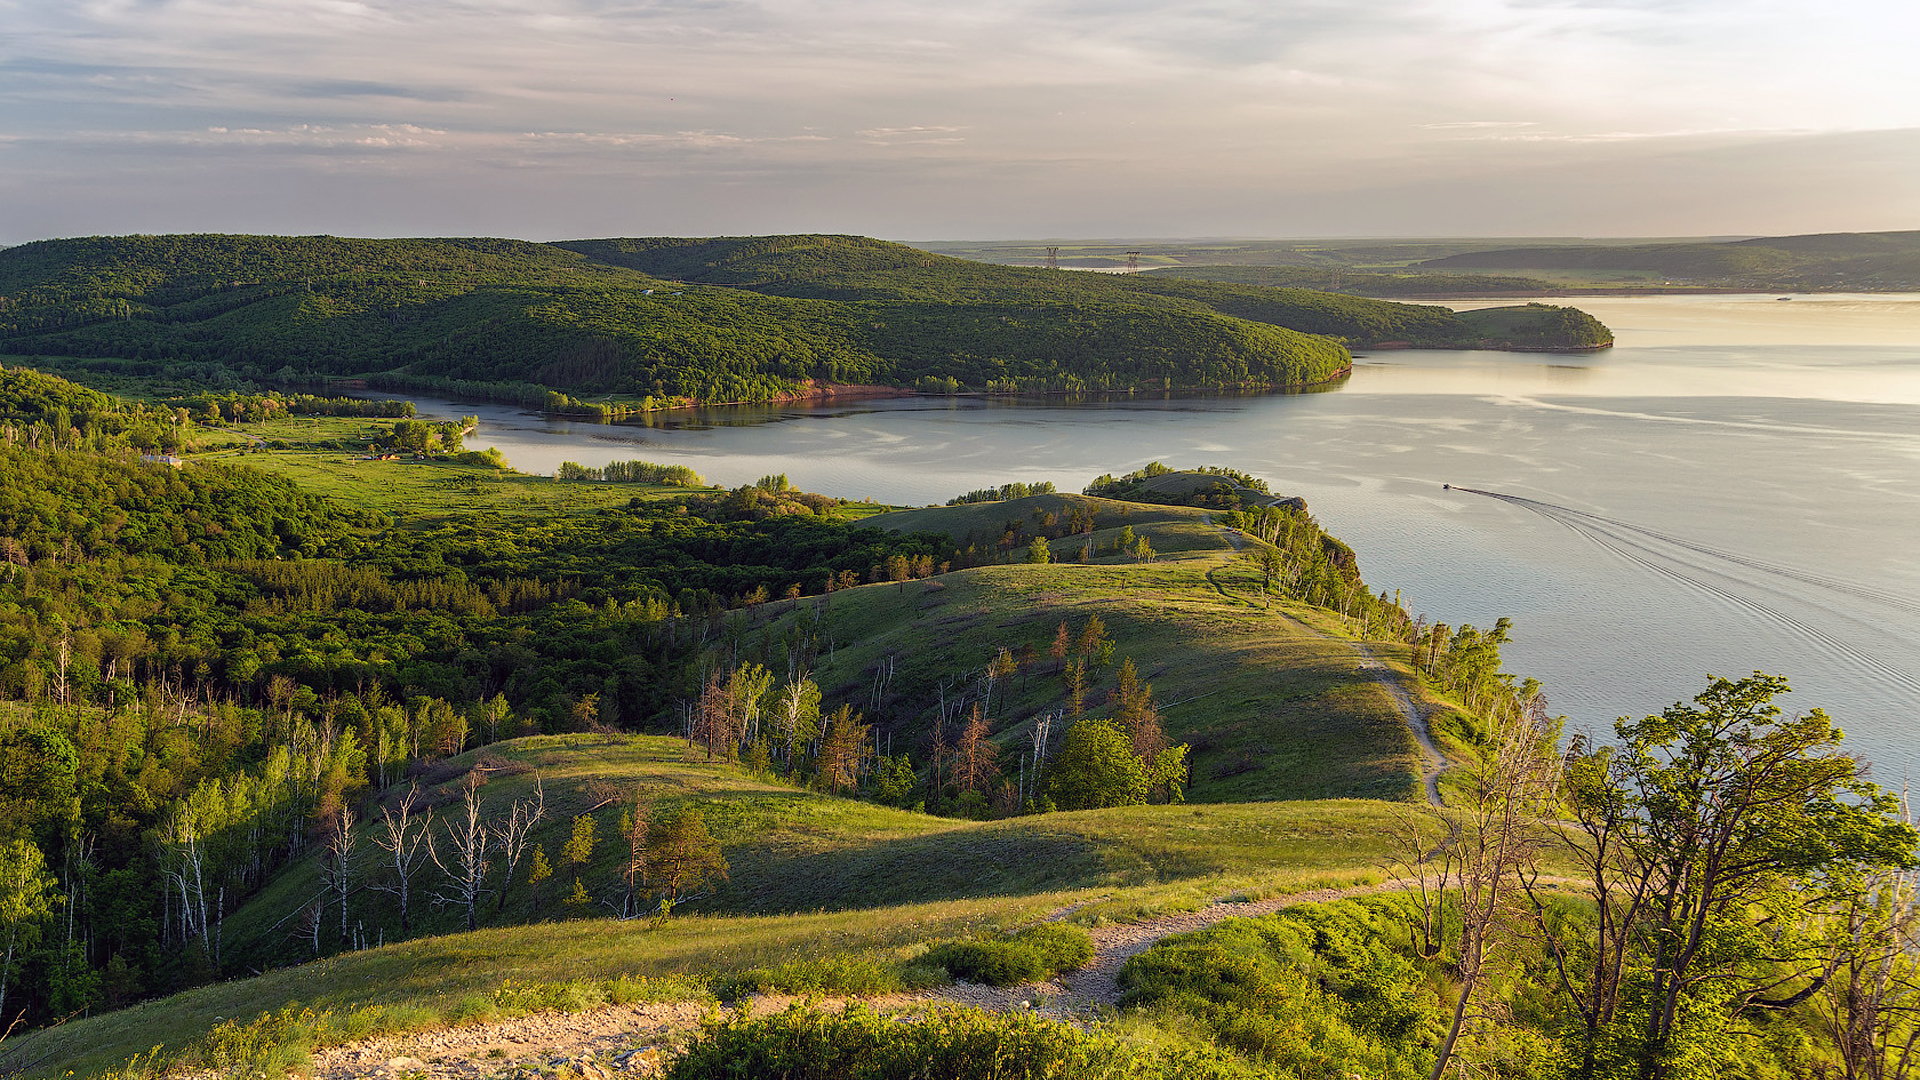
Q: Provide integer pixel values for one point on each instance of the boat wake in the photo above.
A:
(1742, 580)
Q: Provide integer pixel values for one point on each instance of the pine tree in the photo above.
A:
(841, 749)
(1133, 710)
(578, 850)
(682, 854)
(538, 871)
(1062, 644)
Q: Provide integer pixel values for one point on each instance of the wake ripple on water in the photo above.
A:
(1689, 563)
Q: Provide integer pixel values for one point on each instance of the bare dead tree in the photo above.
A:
(1870, 1000)
(513, 833)
(1493, 835)
(1420, 857)
(337, 865)
(402, 834)
(464, 861)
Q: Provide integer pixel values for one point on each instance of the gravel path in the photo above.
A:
(631, 1040)
(1097, 984)
(1416, 719)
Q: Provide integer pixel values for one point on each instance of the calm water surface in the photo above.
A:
(1735, 486)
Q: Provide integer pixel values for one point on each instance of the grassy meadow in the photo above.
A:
(822, 890)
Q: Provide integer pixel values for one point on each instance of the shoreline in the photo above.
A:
(1403, 346)
(860, 392)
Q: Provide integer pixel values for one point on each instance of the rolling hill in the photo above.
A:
(877, 884)
(671, 320)
(1884, 260)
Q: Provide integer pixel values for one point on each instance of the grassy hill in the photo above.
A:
(671, 320)
(1272, 699)
(498, 311)
(1886, 260)
(853, 268)
(858, 888)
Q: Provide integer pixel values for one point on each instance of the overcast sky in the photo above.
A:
(959, 119)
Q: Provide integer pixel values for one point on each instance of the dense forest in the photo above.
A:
(667, 321)
(172, 635)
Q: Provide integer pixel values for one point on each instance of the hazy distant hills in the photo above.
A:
(1883, 260)
(718, 319)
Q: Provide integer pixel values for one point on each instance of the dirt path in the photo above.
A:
(1075, 993)
(1415, 717)
(630, 1040)
(1410, 710)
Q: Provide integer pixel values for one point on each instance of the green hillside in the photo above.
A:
(499, 313)
(1271, 698)
(1887, 260)
(813, 878)
(649, 322)
(791, 850)
(854, 268)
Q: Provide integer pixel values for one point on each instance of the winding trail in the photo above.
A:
(632, 1039)
(1370, 662)
(1073, 994)
(1415, 717)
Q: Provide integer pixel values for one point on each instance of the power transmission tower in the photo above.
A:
(1053, 258)
(1133, 262)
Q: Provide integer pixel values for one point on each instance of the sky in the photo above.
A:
(981, 119)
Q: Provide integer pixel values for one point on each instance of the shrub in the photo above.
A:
(1028, 956)
(1319, 989)
(946, 1044)
(996, 963)
(1062, 946)
(829, 975)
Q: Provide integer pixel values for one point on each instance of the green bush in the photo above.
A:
(828, 975)
(1319, 989)
(1061, 946)
(1028, 956)
(946, 1044)
(996, 963)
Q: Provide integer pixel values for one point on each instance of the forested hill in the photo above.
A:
(860, 269)
(1883, 260)
(667, 319)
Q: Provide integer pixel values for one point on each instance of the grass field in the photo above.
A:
(794, 850)
(436, 488)
(1271, 698)
(858, 884)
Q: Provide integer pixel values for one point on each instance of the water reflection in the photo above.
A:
(1800, 457)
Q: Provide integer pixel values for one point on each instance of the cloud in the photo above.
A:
(1106, 112)
(1472, 125)
(916, 135)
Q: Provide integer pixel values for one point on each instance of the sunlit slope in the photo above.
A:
(1161, 858)
(497, 312)
(856, 268)
(812, 876)
(1272, 699)
(790, 849)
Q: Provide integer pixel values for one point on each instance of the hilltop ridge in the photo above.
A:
(651, 322)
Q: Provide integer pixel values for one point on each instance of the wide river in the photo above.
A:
(1735, 486)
